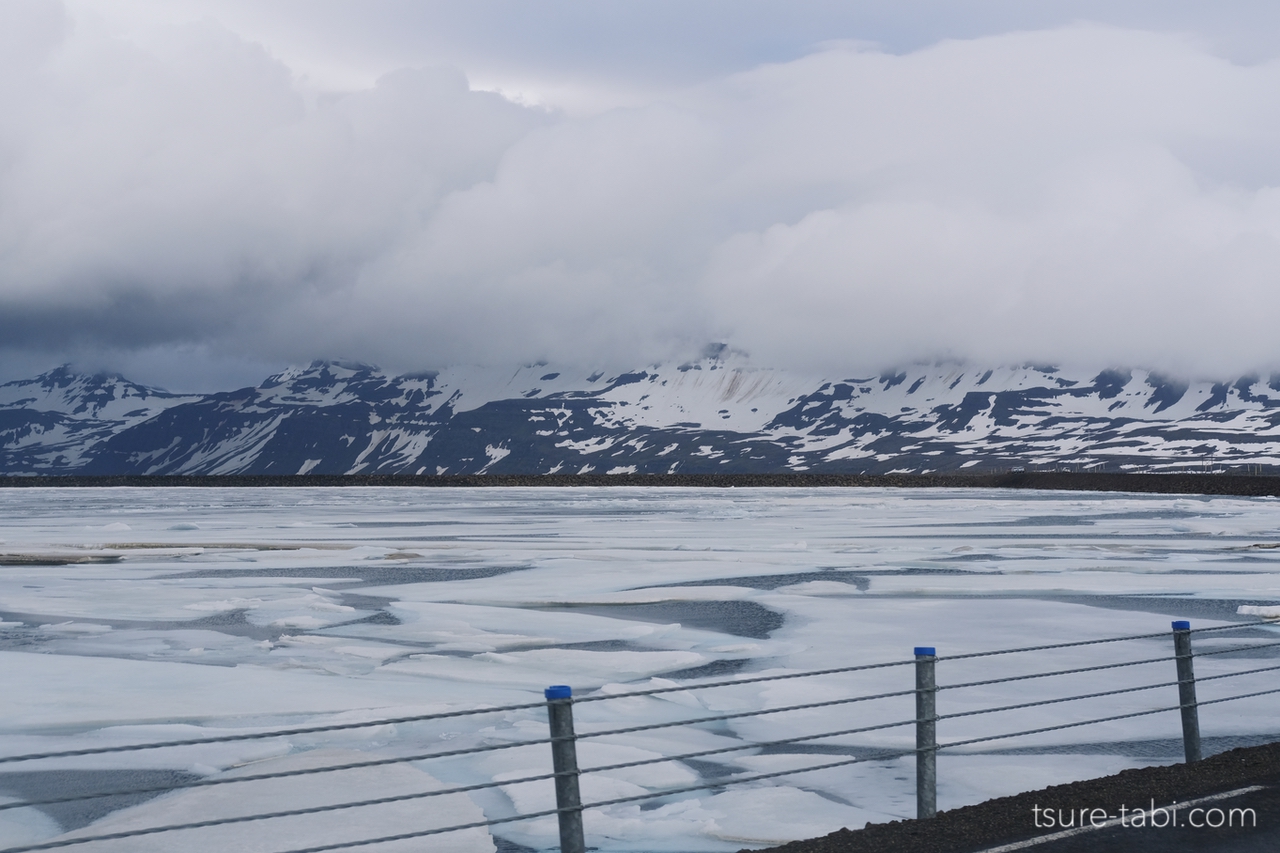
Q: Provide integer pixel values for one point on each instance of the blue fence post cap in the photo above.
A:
(926, 650)
(1182, 625)
(558, 691)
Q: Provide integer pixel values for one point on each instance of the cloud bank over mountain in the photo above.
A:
(1081, 193)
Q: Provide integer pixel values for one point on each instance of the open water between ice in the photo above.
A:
(146, 614)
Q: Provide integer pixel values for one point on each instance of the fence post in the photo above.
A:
(564, 761)
(926, 733)
(1187, 691)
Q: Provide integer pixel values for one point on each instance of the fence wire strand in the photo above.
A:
(1101, 719)
(1235, 649)
(1029, 676)
(735, 681)
(280, 774)
(746, 746)
(204, 824)
(1026, 732)
(897, 753)
(1057, 701)
(489, 748)
(50, 845)
(970, 655)
(1241, 696)
(1236, 674)
(355, 765)
(1097, 720)
(737, 715)
(341, 845)
(1102, 640)
(300, 730)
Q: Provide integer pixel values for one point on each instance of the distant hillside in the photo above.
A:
(716, 415)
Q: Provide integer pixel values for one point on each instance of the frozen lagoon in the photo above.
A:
(145, 614)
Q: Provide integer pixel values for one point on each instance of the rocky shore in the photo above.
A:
(1011, 819)
(1201, 484)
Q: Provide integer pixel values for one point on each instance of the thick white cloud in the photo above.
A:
(1080, 193)
(1077, 193)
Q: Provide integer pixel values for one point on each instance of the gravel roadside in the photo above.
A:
(1009, 819)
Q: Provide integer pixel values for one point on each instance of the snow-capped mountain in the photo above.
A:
(718, 414)
(54, 422)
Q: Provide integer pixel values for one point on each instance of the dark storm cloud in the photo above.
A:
(1077, 192)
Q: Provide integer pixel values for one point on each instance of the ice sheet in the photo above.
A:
(299, 792)
(136, 614)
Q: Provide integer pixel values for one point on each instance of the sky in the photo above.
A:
(199, 193)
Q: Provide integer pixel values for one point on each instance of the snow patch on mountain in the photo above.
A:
(54, 421)
(716, 414)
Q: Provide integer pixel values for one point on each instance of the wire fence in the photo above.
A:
(563, 739)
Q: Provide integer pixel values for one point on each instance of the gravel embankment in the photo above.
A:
(1008, 819)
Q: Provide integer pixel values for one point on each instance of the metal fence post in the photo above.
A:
(926, 733)
(564, 761)
(1187, 691)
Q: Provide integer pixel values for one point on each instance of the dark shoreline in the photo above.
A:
(1167, 484)
(1010, 819)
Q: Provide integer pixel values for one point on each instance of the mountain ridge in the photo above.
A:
(717, 414)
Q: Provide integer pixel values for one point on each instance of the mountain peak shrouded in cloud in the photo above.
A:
(716, 414)
(1077, 192)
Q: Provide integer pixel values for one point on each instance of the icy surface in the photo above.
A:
(131, 615)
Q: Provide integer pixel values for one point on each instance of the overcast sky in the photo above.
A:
(199, 192)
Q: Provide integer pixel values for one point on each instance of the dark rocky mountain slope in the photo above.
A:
(717, 415)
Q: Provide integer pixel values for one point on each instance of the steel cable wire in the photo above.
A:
(68, 842)
(223, 821)
(1074, 643)
(751, 680)
(404, 836)
(632, 729)
(1057, 701)
(280, 774)
(600, 804)
(1099, 720)
(1200, 678)
(204, 783)
(669, 792)
(737, 715)
(1235, 649)
(616, 801)
(752, 745)
(1010, 735)
(897, 753)
(604, 733)
(426, 717)
(301, 730)
(968, 655)
(1241, 696)
(115, 836)
(1056, 672)
(755, 777)
(601, 698)
(1112, 693)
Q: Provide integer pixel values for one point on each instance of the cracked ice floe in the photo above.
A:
(235, 609)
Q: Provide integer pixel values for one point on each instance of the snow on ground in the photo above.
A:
(132, 615)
